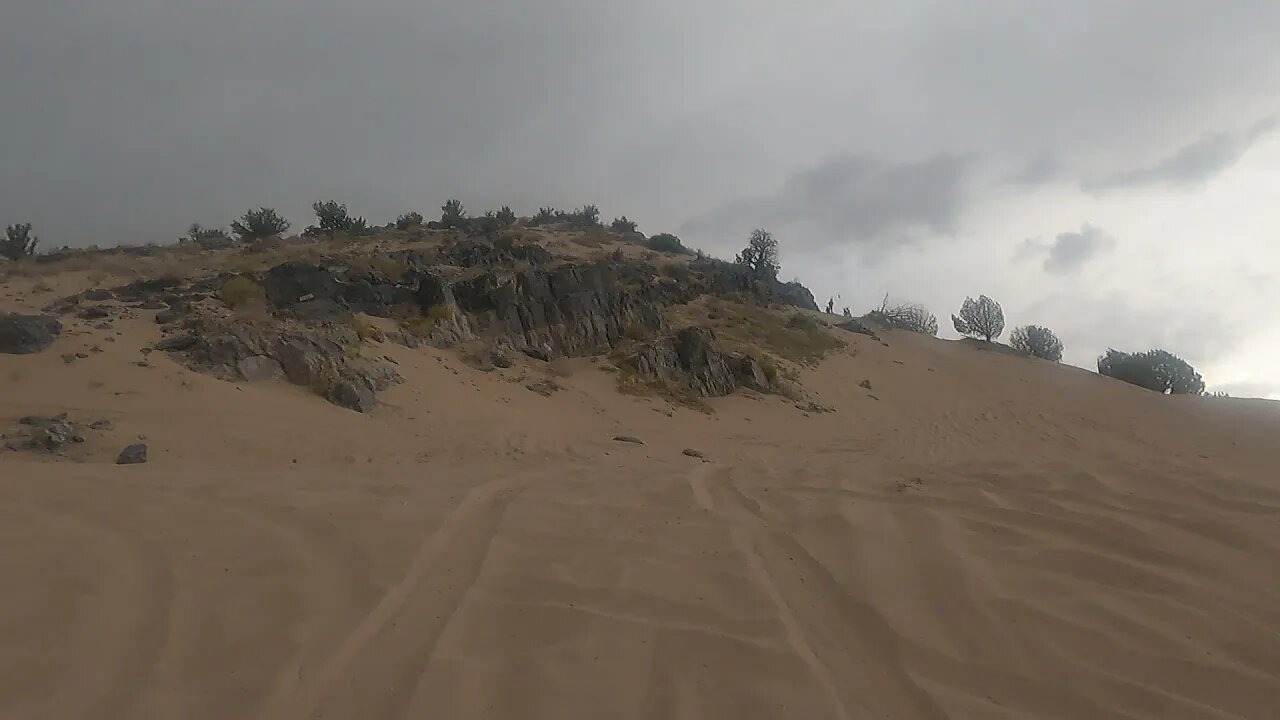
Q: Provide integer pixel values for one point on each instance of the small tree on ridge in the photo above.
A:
(979, 318)
(1037, 341)
(760, 254)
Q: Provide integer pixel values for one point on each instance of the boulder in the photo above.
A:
(26, 334)
(501, 357)
(177, 342)
(55, 433)
(135, 454)
(293, 282)
(352, 395)
(257, 368)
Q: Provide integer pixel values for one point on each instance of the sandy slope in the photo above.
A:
(986, 537)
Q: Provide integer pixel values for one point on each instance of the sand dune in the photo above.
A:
(977, 536)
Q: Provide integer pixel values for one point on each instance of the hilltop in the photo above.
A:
(547, 471)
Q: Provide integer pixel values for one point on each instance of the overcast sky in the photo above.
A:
(1110, 170)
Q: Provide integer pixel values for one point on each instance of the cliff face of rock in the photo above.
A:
(516, 295)
(572, 310)
(691, 361)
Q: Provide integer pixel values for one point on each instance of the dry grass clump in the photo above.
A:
(241, 291)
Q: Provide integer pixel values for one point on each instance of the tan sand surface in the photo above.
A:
(978, 536)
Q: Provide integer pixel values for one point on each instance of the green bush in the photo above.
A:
(915, 318)
(1157, 370)
(18, 242)
(545, 216)
(241, 291)
(1037, 341)
(453, 216)
(333, 218)
(667, 243)
(623, 225)
(409, 220)
(760, 255)
(506, 216)
(260, 223)
(980, 318)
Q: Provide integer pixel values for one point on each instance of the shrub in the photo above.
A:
(1037, 341)
(439, 312)
(207, 238)
(333, 216)
(364, 328)
(980, 318)
(241, 291)
(586, 218)
(623, 225)
(18, 242)
(915, 318)
(760, 255)
(487, 224)
(260, 223)
(506, 216)
(667, 243)
(409, 220)
(545, 216)
(800, 321)
(1156, 370)
(453, 216)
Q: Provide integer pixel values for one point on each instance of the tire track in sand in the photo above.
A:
(395, 640)
(835, 635)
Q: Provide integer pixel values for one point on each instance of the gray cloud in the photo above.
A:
(1193, 164)
(1090, 323)
(1248, 389)
(1069, 251)
(850, 199)
(130, 120)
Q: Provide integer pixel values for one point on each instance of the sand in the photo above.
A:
(977, 536)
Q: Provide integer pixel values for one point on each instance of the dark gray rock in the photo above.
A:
(749, 373)
(865, 384)
(135, 454)
(52, 435)
(151, 305)
(26, 334)
(628, 439)
(143, 290)
(164, 317)
(290, 283)
(257, 368)
(352, 396)
(573, 310)
(96, 312)
(177, 342)
(542, 353)
(98, 294)
(435, 291)
(501, 357)
(320, 310)
(693, 453)
(693, 362)
(795, 295)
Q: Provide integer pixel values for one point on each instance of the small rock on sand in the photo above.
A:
(133, 455)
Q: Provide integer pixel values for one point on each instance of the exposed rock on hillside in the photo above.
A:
(324, 358)
(692, 361)
(25, 334)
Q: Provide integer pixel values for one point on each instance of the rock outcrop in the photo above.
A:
(324, 358)
(692, 361)
(574, 310)
(26, 334)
